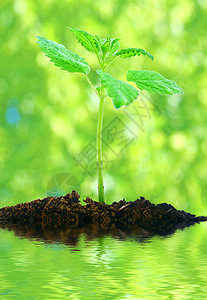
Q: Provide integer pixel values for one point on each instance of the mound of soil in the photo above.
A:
(55, 212)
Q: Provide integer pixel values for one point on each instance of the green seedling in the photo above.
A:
(121, 93)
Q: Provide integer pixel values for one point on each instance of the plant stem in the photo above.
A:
(90, 83)
(101, 96)
(110, 62)
(99, 150)
(100, 63)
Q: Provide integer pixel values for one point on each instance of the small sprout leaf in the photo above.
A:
(121, 92)
(109, 46)
(114, 46)
(129, 52)
(88, 41)
(105, 45)
(153, 82)
(65, 59)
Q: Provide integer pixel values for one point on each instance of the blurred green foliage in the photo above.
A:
(49, 116)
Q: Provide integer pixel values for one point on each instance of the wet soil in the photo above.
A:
(57, 212)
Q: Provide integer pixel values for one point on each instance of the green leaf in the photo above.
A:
(121, 92)
(129, 52)
(88, 41)
(114, 46)
(65, 59)
(105, 45)
(153, 82)
(109, 46)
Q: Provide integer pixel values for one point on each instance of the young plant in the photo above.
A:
(121, 93)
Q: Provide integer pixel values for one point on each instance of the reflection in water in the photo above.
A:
(102, 265)
(70, 235)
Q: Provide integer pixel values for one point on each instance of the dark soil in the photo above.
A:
(55, 212)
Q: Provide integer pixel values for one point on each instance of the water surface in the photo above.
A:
(105, 267)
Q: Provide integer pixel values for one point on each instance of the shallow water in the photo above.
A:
(105, 267)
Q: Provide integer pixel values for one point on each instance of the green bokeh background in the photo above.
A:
(48, 116)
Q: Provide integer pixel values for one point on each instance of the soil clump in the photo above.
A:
(67, 210)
